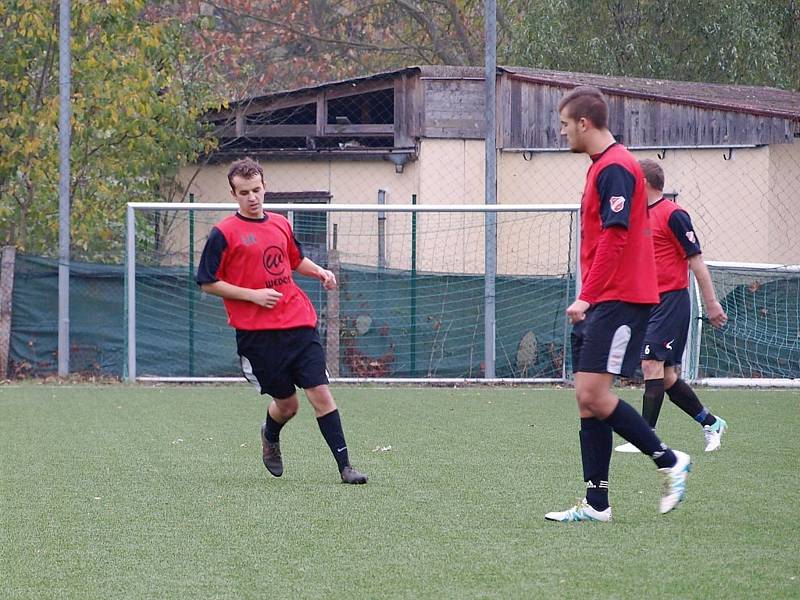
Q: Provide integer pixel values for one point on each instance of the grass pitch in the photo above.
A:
(159, 492)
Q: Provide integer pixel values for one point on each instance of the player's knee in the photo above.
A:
(596, 400)
(585, 398)
(287, 408)
(653, 369)
(321, 398)
(670, 377)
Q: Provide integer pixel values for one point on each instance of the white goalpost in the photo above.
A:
(411, 298)
(413, 292)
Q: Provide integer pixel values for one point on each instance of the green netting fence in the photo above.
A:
(390, 323)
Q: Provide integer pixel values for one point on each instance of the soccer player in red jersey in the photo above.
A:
(609, 317)
(677, 250)
(248, 261)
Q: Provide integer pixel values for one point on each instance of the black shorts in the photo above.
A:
(610, 338)
(668, 328)
(276, 361)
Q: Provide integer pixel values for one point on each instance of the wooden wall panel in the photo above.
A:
(531, 120)
(454, 108)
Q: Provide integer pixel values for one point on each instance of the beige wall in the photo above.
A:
(744, 209)
(727, 199)
(784, 205)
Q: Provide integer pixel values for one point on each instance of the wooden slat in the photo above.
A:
(322, 114)
(359, 129)
(272, 131)
(239, 124)
(403, 115)
(6, 295)
(503, 113)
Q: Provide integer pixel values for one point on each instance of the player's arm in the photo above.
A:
(305, 266)
(266, 297)
(309, 268)
(680, 223)
(615, 186)
(207, 276)
(714, 311)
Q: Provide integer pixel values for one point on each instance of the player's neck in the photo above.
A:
(599, 141)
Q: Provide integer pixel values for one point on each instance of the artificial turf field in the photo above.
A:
(159, 492)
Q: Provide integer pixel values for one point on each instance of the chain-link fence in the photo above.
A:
(416, 136)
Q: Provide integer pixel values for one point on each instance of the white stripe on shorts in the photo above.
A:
(247, 370)
(619, 344)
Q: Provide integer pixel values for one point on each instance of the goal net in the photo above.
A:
(760, 345)
(415, 299)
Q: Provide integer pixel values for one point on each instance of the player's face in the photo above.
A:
(249, 193)
(573, 130)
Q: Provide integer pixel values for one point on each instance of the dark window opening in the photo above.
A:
(305, 114)
(362, 109)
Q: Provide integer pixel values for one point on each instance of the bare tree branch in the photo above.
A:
(429, 25)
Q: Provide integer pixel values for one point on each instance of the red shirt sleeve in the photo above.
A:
(606, 259)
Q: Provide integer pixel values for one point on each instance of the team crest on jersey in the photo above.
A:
(617, 203)
(273, 260)
(690, 237)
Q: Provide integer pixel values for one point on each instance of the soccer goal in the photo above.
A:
(760, 345)
(424, 293)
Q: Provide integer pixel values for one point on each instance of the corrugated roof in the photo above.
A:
(765, 101)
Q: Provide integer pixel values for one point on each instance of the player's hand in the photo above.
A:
(716, 315)
(327, 278)
(576, 312)
(266, 297)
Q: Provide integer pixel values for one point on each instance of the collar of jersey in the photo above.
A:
(249, 220)
(595, 157)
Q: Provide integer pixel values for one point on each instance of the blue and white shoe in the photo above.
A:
(583, 511)
(674, 481)
(713, 434)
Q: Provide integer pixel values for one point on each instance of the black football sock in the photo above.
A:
(684, 398)
(629, 424)
(651, 400)
(331, 427)
(273, 430)
(596, 442)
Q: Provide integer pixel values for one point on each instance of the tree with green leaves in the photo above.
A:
(747, 42)
(136, 102)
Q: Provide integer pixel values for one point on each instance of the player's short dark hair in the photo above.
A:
(246, 168)
(588, 102)
(653, 173)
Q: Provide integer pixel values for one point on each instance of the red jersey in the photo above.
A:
(257, 253)
(674, 241)
(614, 197)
